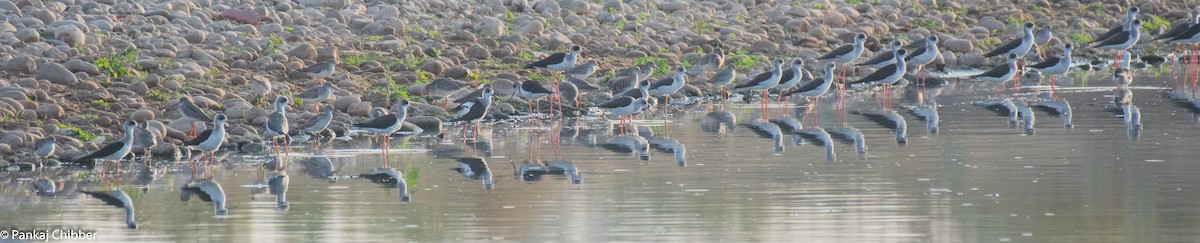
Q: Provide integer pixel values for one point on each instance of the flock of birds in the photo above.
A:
(637, 93)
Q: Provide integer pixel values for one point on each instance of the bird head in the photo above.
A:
(932, 40)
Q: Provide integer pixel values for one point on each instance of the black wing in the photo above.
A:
(615, 103)
(1111, 32)
(842, 50)
(1175, 31)
(200, 138)
(1010, 45)
(757, 79)
(877, 59)
(555, 58)
(662, 82)
(917, 52)
(106, 150)
(379, 122)
(1192, 31)
(810, 85)
(108, 199)
(1049, 62)
(997, 71)
(535, 87)
(278, 127)
(1114, 40)
(879, 74)
(786, 74)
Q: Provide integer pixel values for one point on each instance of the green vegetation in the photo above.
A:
(891, 37)
(436, 34)
(356, 59)
(743, 60)
(660, 64)
(100, 103)
(508, 15)
(1079, 37)
(988, 43)
(79, 132)
(1155, 23)
(410, 62)
(926, 23)
(820, 6)
(1019, 19)
(273, 45)
(956, 11)
(156, 95)
(289, 28)
(1090, 7)
(525, 55)
(119, 64)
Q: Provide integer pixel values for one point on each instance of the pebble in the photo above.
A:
(50, 111)
(21, 64)
(142, 115)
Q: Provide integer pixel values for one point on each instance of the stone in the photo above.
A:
(56, 73)
(490, 27)
(21, 64)
(457, 73)
(28, 35)
(76, 65)
(672, 6)
(196, 37)
(304, 51)
(359, 109)
(70, 34)
(434, 67)
(50, 111)
(835, 19)
(479, 53)
(959, 45)
(344, 102)
(142, 115)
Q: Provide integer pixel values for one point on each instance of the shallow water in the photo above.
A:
(839, 178)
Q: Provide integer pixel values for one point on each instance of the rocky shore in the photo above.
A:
(76, 69)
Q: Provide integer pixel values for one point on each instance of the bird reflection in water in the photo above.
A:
(475, 168)
(852, 136)
(208, 190)
(671, 145)
(278, 182)
(719, 122)
(892, 120)
(629, 143)
(1057, 107)
(390, 177)
(766, 129)
(119, 199)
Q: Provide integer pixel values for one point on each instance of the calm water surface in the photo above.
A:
(839, 176)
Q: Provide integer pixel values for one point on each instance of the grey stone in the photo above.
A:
(56, 73)
(303, 51)
(21, 64)
(76, 65)
(52, 111)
